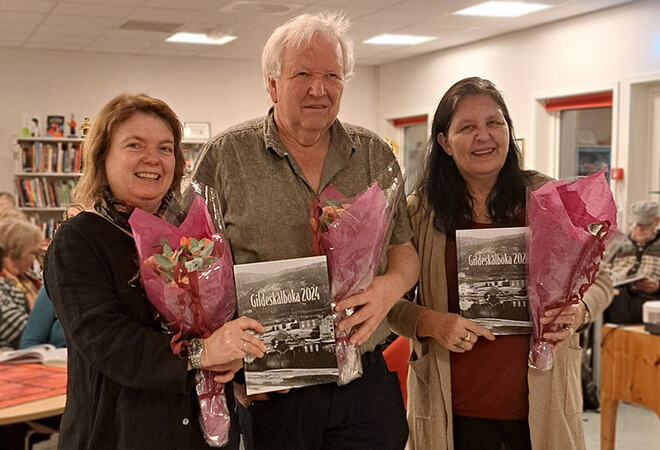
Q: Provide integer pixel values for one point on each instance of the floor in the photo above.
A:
(636, 429)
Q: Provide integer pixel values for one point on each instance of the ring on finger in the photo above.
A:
(571, 330)
(244, 345)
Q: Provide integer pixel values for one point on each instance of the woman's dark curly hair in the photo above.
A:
(442, 185)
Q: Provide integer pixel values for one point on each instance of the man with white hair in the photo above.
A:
(268, 171)
(639, 255)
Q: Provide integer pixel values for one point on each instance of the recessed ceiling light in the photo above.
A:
(398, 39)
(501, 9)
(201, 38)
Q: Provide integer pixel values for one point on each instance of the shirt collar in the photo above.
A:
(341, 143)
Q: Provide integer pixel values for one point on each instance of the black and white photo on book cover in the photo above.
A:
(291, 299)
(492, 278)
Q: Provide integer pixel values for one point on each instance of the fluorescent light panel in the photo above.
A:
(398, 39)
(501, 9)
(199, 38)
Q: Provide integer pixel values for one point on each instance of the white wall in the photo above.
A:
(223, 92)
(603, 48)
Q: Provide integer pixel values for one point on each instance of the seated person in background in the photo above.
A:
(42, 326)
(11, 212)
(7, 200)
(22, 243)
(639, 255)
(13, 311)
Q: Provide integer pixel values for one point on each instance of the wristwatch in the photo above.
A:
(195, 350)
(587, 318)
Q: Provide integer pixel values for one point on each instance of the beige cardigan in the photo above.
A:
(555, 397)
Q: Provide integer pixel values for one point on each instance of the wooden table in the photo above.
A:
(630, 372)
(25, 412)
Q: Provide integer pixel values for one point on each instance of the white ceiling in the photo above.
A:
(93, 25)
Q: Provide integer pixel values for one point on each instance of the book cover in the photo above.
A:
(291, 299)
(55, 126)
(492, 278)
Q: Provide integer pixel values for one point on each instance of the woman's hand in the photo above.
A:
(230, 343)
(453, 332)
(563, 322)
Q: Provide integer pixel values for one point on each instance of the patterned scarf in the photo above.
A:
(118, 212)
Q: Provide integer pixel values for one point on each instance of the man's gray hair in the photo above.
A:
(301, 30)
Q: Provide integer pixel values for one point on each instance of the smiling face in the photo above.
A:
(140, 162)
(308, 92)
(477, 139)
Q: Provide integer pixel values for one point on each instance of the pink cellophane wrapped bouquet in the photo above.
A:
(187, 274)
(351, 233)
(569, 224)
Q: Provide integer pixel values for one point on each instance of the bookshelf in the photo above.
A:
(45, 173)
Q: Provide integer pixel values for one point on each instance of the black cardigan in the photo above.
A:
(126, 390)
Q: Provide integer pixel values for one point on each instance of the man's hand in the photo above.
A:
(647, 285)
(372, 305)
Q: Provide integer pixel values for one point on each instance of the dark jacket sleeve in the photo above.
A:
(106, 320)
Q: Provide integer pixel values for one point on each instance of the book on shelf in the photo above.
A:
(44, 193)
(39, 354)
(51, 157)
(291, 299)
(55, 126)
(492, 278)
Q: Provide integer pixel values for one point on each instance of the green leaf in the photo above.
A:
(167, 251)
(206, 251)
(194, 264)
(163, 261)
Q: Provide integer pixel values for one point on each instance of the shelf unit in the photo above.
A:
(45, 172)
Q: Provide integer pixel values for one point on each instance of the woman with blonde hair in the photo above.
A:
(20, 242)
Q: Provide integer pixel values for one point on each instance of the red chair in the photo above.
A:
(396, 356)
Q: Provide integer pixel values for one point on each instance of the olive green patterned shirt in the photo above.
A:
(266, 200)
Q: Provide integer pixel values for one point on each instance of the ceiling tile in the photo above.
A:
(136, 35)
(397, 17)
(371, 4)
(173, 48)
(198, 5)
(52, 46)
(165, 15)
(84, 31)
(20, 17)
(40, 6)
(20, 27)
(94, 10)
(81, 41)
(65, 20)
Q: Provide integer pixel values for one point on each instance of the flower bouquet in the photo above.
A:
(569, 224)
(186, 270)
(351, 233)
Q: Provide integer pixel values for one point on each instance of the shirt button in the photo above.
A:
(185, 421)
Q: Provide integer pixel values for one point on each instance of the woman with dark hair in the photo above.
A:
(467, 389)
(126, 388)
